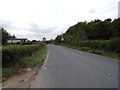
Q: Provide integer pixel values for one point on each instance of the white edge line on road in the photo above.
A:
(46, 60)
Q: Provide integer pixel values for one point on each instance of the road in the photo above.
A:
(70, 68)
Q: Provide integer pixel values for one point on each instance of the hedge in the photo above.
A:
(107, 45)
(22, 43)
(12, 54)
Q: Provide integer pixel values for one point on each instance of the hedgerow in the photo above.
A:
(107, 45)
(12, 54)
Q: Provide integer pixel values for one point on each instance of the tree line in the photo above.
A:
(94, 30)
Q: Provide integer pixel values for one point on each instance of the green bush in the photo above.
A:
(22, 43)
(99, 52)
(115, 45)
(7, 71)
(84, 48)
(12, 54)
(91, 51)
(106, 45)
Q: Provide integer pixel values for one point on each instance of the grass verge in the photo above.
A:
(95, 51)
(29, 61)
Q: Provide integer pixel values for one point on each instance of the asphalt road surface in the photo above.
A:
(70, 68)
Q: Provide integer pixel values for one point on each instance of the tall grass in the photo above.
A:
(107, 45)
(12, 54)
(109, 48)
(26, 60)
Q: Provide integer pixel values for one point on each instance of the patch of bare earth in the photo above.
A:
(22, 78)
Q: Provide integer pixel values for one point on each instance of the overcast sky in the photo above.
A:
(35, 19)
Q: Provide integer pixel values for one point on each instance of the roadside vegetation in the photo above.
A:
(20, 55)
(99, 37)
(95, 51)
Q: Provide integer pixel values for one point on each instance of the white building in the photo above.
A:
(14, 40)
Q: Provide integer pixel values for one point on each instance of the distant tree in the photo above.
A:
(94, 30)
(13, 36)
(100, 30)
(116, 27)
(58, 39)
(109, 19)
(5, 36)
(33, 40)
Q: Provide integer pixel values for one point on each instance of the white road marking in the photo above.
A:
(44, 68)
(46, 60)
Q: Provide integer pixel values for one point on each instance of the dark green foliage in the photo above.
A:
(96, 34)
(99, 30)
(85, 48)
(106, 45)
(7, 71)
(94, 30)
(5, 36)
(58, 39)
(29, 61)
(115, 45)
(12, 54)
(23, 43)
(116, 27)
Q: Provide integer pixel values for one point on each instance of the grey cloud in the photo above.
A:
(40, 29)
(39, 36)
(92, 10)
(7, 25)
(35, 31)
(48, 32)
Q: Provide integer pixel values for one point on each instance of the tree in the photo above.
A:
(58, 39)
(5, 36)
(94, 30)
(13, 36)
(116, 27)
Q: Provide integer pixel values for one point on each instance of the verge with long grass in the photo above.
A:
(21, 56)
(109, 48)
